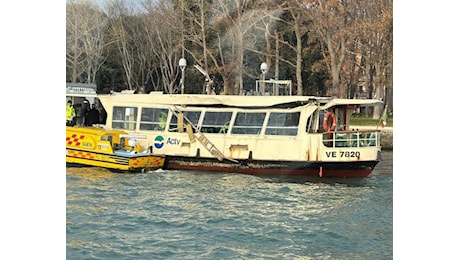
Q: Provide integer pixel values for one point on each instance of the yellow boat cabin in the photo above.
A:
(112, 149)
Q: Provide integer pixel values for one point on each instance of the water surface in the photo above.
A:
(197, 215)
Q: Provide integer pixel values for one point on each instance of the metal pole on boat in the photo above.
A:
(182, 65)
(264, 69)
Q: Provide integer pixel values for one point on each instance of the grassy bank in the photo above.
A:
(358, 120)
(387, 137)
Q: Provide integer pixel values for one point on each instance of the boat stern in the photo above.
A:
(145, 163)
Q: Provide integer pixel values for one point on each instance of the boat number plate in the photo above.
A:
(342, 154)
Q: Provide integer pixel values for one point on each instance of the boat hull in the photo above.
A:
(357, 169)
(117, 162)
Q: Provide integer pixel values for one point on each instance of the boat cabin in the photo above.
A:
(101, 140)
(238, 116)
(304, 132)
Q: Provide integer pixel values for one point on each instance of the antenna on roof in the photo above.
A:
(202, 71)
(207, 80)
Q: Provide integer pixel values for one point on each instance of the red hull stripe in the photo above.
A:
(349, 170)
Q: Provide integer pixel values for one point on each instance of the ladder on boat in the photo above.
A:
(198, 135)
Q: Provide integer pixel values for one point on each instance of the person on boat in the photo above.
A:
(85, 106)
(162, 120)
(92, 117)
(70, 114)
(103, 116)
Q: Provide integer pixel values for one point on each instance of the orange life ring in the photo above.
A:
(326, 123)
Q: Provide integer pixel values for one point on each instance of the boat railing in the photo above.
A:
(365, 138)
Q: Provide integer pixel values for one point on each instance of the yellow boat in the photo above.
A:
(111, 149)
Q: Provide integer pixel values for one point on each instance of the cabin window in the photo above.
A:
(216, 122)
(310, 126)
(248, 123)
(312, 121)
(193, 116)
(340, 114)
(153, 119)
(124, 118)
(283, 124)
(320, 121)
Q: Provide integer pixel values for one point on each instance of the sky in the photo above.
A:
(33, 192)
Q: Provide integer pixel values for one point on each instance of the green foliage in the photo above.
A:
(368, 121)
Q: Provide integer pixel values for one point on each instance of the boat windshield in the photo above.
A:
(282, 123)
(153, 118)
(213, 122)
(193, 116)
(248, 123)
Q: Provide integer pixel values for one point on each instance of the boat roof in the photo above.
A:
(80, 90)
(344, 101)
(231, 100)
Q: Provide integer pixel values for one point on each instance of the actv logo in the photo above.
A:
(159, 142)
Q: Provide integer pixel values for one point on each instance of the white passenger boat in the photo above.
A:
(267, 135)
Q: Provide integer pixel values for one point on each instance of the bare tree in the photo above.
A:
(229, 37)
(235, 23)
(197, 14)
(279, 29)
(375, 36)
(86, 26)
(74, 50)
(128, 32)
(298, 17)
(162, 33)
(331, 21)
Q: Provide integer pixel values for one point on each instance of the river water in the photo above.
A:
(195, 215)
